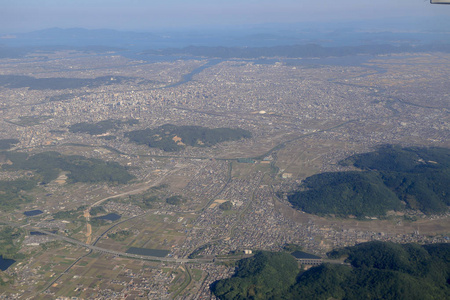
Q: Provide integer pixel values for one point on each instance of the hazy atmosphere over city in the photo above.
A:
(247, 149)
(143, 15)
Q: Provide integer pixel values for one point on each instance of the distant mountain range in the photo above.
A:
(412, 31)
(250, 41)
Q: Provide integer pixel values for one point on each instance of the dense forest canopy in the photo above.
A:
(226, 205)
(48, 165)
(6, 144)
(379, 270)
(392, 178)
(264, 276)
(175, 200)
(173, 138)
(100, 127)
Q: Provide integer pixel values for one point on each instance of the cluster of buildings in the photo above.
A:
(277, 103)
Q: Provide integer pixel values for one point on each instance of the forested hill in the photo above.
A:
(379, 270)
(101, 127)
(391, 178)
(173, 138)
(6, 144)
(47, 166)
(266, 275)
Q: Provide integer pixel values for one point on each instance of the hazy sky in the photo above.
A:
(28, 15)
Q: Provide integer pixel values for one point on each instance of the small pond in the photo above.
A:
(5, 263)
(32, 213)
(110, 217)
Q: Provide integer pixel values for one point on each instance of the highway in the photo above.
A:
(113, 252)
(104, 250)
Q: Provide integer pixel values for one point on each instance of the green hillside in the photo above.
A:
(101, 127)
(48, 165)
(173, 138)
(6, 144)
(379, 270)
(393, 178)
(264, 276)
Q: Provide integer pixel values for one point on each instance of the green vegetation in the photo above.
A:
(382, 270)
(345, 193)
(12, 193)
(64, 97)
(29, 120)
(175, 200)
(197, 274)
(173, 138)
(108, 137)
(148, 199)
(120, 236)
(48, 165)
(6, 144)
(50, 245)
(73, 214)
(97, 222)
(97, 210)
(4, 279)
(292, 248)
(418, 176)
(379, 270)
(159, 187)
(10, 242)
(196, 252)
(226, 205)
(100, 127)
(392, 175)
(263, 276)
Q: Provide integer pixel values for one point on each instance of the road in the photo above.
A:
(103, 250)
(146, 186)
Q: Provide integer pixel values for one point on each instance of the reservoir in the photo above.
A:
(148, 252)
(36, 233)
(110, 217)
(5, 263)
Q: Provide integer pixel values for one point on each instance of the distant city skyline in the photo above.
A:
(28, 15)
